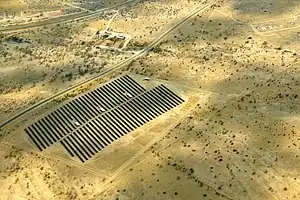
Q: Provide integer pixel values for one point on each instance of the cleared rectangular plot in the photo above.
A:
(60, 123)
(99, 132)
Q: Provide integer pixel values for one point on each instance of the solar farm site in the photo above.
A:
(108, 125)
(89, 123)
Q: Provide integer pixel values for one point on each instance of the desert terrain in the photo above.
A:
(234, 62)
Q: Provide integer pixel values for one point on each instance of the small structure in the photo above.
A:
(107, 34)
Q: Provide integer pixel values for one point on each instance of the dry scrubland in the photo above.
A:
(37, 64)
(242, 143)
(27, 6)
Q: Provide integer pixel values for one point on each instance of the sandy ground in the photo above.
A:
(241, 142)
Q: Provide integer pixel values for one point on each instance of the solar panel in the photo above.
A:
(96, 129)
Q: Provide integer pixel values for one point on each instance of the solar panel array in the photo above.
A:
(89, 123)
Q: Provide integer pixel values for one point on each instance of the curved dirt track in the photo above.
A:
(67, 18)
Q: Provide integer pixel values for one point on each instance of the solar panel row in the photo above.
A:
(65, 119)
(99, 132)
